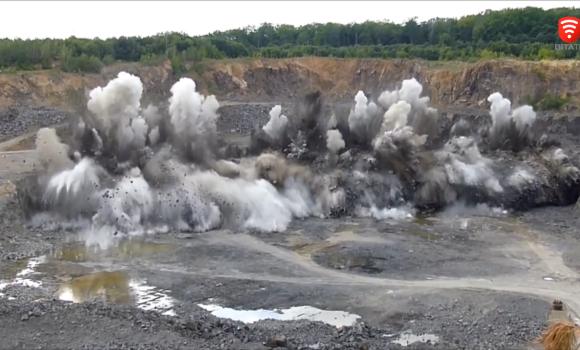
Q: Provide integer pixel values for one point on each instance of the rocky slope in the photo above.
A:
(447, 83)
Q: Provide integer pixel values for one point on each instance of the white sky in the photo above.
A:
(89, 19)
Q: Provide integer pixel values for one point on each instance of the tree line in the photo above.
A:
(528, 34)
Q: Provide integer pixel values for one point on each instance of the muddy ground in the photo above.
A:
(453, 281)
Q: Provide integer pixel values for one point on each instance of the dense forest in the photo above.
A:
(528, 34)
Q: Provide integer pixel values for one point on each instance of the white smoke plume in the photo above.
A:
(334, 141)
(276, 126)
(422, 118)
(396, 116)
(509, 129)
(467, 166)
(154, 122)
(117, 108)
(119, 101)
(74, 191)
(193, 120)
(51, 152)
(192, 114)
(365, 119)
(409, 92)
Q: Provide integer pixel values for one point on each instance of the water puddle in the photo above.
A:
(424, 220)
(407, 338)
(425, 234)
(305, 246)
(334, 318)
(9, 269)
(123, 249)
(347, 227)
(21, 277)
(81, 285)
(119, 288)
(350, 261)
(112, 285)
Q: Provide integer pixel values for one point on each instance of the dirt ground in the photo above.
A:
(450, 281)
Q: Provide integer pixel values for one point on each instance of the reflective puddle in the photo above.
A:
(425, 234)
(425, 220)
(407, 338)
(351, 261)
(72, 264)
(334, 318)
(9, 269)
(123, 249)
(119, 288)
(114, 286)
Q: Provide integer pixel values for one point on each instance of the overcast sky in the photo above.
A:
(89, 19)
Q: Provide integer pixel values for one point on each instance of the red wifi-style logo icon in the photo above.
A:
(569, 29)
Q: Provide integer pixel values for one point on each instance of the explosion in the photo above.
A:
(133, 169)
(510, 129)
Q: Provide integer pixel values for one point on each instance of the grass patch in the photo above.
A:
(74, 96)
(447, 65)
(551, 102)
(540, 74)
(197, 68)
(548, 102)
(14, 70)
(211, 88)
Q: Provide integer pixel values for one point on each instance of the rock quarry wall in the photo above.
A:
(447, 83)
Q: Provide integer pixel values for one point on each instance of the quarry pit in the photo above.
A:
(463, 275)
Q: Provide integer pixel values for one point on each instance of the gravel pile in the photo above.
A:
(18, 242)
(243, 119)
(17, 120)
(477, 320)
(53, 323)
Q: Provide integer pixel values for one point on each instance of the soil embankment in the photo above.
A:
(447, 83)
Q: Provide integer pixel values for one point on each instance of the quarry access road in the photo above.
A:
(566, 288)
(13, 163)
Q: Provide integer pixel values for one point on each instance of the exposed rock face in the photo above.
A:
(446, 83)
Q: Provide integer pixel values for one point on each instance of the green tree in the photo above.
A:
(528, 34)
